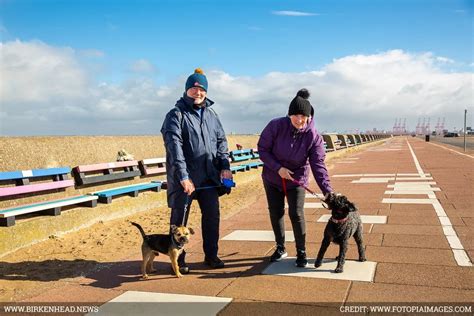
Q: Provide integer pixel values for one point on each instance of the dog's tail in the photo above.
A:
(139, 228)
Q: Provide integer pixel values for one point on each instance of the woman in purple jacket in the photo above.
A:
(289, 146)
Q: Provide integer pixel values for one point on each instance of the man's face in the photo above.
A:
(197, 93)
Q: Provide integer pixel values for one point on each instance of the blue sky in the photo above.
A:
(154, 45)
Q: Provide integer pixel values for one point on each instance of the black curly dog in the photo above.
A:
(344, 223)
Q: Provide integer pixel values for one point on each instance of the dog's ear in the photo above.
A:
(351, 206)
(173, 228)
(191, 231)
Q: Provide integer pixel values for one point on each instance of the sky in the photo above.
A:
(115, 67)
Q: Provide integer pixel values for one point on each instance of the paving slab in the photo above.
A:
(80, 293)
(269, 288)
(253, 307)
(353, 270)
(393, 293)
(146, 303)
(415, 241)
(408, 229)
(428, 219)
(411, 255)
(426, 275)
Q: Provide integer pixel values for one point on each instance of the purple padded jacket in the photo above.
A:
(282, 145)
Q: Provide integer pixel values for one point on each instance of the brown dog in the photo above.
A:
(169, 244)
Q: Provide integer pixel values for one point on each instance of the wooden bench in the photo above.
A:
(254, 164)
(105, 172)
(154, 167)
(34, 181)
(106, 196)
(241, 155)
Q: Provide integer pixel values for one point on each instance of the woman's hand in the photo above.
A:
(285, 173)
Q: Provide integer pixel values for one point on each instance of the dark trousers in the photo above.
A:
(208, 201)
(276, 207)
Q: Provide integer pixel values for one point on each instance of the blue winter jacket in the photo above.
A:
(196, 148)
(282, 145)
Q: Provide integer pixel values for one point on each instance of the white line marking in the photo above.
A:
(448, 231)
(417, 164)
(257, 235)
(408, 201)
(373, 180)
(399, 184)
(405, 191)
(454, 242)
(444, 220)
(461, 258)
(454, 151)
(410, 178)
(366, 219)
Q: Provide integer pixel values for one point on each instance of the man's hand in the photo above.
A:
(285, 173)
(226, 174)
(188, 186)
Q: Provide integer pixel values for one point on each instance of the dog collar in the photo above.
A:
(339, 221)
(175, 244)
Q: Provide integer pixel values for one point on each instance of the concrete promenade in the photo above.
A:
(417, 202)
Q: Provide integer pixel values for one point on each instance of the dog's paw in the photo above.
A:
(362, 259)
(179, 275)
(339, 270)
(317, 264)
(144, 277)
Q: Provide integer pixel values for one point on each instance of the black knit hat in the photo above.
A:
(300, 104)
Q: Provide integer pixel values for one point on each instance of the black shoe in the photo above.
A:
(214, 263)
(279, 254)
(301, 260)
(184, 269)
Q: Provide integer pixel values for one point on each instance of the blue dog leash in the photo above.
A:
(228, 183)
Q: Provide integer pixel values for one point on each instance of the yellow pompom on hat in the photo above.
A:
(197, 79)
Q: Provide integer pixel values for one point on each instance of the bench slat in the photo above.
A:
(156, 170)
(6, 191)
(127, 189)
(30, 208)
(107, 165)
(153, 161)
(240, 158)
(107, 177)
(20, 174)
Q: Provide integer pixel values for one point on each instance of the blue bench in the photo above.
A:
(240, 168)
(17, 183)
(105, 196)
(241, 155)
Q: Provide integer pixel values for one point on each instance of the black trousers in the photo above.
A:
(276, 207)
(208, 200)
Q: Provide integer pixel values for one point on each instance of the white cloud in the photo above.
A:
(142, 66)
(45, 90)
(37, 73)
(294, 13)
(92, 53)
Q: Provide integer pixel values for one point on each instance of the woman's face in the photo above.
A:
(299, 120)
(197, 93)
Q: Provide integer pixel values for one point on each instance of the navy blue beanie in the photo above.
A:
(197, 79)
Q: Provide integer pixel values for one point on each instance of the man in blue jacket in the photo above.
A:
(196, 157)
